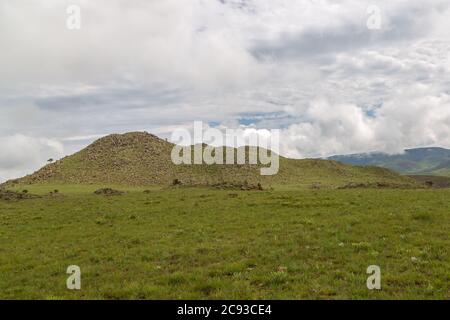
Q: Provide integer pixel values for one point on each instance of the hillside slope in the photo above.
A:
(140, 158)
(422, 161)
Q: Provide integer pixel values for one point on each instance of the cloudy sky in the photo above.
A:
(335, 76)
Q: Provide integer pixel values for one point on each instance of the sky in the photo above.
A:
(335, 77)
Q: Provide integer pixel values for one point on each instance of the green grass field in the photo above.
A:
(198, 243)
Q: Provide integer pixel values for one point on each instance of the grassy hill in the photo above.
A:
(139, 159)
(420, 161)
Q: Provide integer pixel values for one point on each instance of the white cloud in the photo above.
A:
(331, 129)
(23, 154)
(178, 42)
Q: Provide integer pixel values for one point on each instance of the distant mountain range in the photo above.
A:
(419, 161)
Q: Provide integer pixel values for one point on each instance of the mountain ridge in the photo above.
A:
(414, 161)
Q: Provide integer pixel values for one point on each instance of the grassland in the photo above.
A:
(199, 243)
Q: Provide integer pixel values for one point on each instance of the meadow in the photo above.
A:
(203, 243)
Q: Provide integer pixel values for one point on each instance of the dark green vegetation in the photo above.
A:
(183, 242)
(139, 159)
(421, 161)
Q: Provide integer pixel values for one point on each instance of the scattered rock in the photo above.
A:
(108, 192)
(375, 185)
(13, 195)
(353, 185)
(55, 193)
(176, 182)
(432, 181)
(238, 186)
